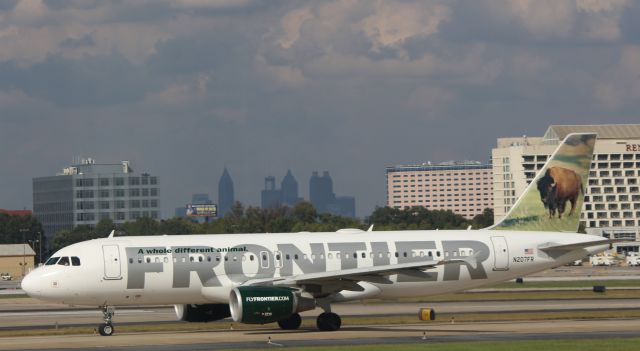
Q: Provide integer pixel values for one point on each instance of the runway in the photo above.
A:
(35, 315)
(428, 332)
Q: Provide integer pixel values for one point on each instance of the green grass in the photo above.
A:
(612, 344)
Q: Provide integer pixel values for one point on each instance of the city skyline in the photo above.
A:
(184, 89)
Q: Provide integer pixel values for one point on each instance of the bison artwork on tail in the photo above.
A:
(558, 186)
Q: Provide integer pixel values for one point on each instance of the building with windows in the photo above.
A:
(612, 198)
(465, 188)
(86, 192)
(325, 200)
(287, 195)
(226, 196)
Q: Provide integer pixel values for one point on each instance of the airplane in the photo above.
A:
(266, 278)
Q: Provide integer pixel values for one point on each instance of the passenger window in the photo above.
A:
(404, 254)
(250, 257)
(148, 259)
(166, 260)
(75, 261)
(287, 257)
(200, 259)
(208, 258)
(52, 261)
(355, 255)
(157, 259)
(190, 258)
(131, 260)
(139, 259)
(64, 261)
(330, 255)
(364, 255)
(438, 253)
(295, 257)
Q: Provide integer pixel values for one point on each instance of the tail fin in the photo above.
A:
(553, 200)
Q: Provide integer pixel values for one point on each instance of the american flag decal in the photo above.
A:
(529, 251)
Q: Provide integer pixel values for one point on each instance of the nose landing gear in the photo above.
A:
(106, 329)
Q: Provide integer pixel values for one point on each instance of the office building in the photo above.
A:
(465, 188)
(612, 197)
(86, 192)
(226, 197)
(325, 200)
(287, 195)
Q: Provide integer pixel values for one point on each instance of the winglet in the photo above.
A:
(370, 228)
(113, 232)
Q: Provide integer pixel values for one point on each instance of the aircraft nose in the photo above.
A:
(31, 284)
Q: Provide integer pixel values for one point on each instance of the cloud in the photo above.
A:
(73, 43)
(345, 85)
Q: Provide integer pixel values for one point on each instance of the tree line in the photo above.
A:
(302, 217)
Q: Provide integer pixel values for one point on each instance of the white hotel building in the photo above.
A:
(612, 198)
(464, 188)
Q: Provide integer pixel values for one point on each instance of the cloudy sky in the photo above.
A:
(184, 88)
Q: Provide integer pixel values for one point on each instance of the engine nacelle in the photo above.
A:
(263, 304)
(202, 313)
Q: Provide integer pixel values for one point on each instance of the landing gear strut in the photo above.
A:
(106, 329)
(291, 323)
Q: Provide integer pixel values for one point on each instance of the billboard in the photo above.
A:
(210, 210)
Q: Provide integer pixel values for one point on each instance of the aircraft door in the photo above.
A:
(277, 259)
(264, 259)
(500, 253)
(111, 262)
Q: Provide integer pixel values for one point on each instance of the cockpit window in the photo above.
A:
(75, 261)
(52, 261)
(64, 261)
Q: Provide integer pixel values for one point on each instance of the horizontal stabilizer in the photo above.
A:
(570, 247)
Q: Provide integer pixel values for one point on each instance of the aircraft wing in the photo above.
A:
(347, 278)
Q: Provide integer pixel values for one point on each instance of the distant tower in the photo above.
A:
(289, 187)
(270, 196)
(321, 191)
(225, 194)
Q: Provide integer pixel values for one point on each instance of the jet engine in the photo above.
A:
(202, 313)
(262, 304)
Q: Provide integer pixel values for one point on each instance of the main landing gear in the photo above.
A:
(328, 321)
(292, 323)
(106, 329)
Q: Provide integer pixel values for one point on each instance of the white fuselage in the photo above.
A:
(200, 269)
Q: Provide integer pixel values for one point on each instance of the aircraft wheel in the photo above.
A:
(329, 321)
(105, 329)
(291, 323)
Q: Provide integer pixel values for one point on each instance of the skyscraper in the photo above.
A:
(287, 195)
(289, 190)
(225, 194)
(324, 199)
